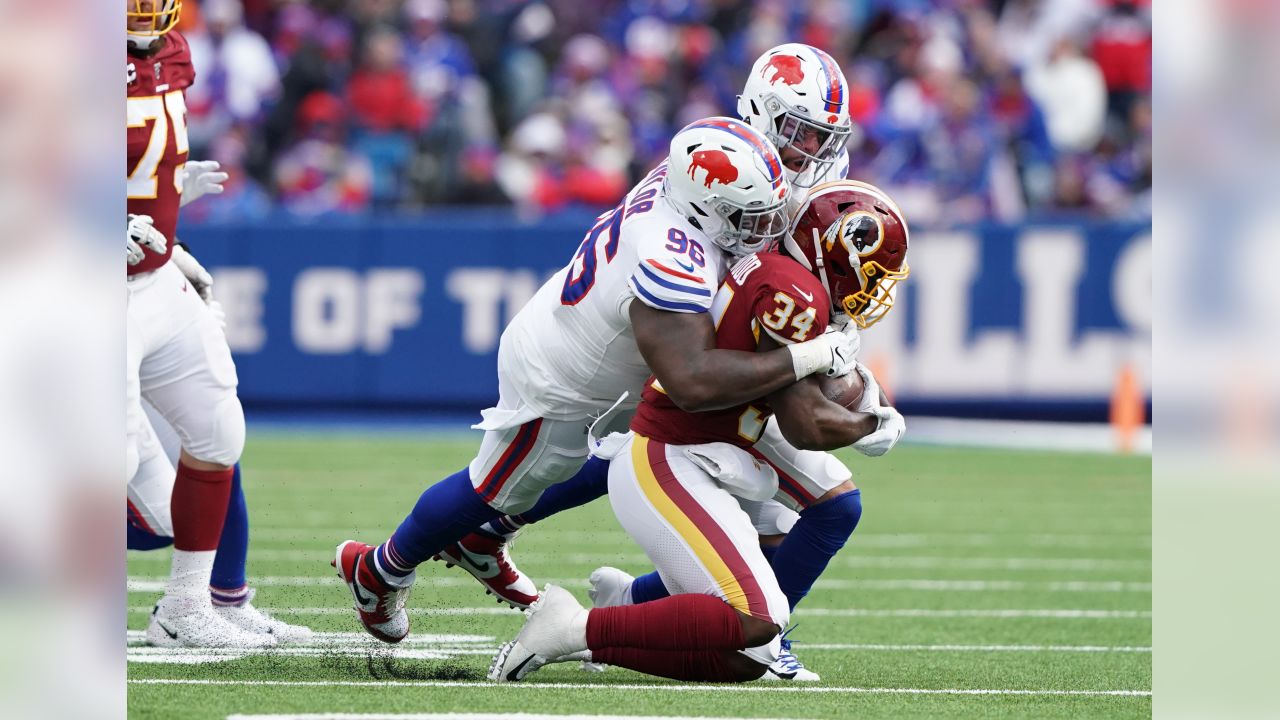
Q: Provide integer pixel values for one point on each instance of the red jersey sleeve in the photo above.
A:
(764, 293)
(788, 303)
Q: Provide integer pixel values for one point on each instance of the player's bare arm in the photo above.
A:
(680, 350)
(810, 421)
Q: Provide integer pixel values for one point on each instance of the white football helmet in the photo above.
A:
(797, 96)
(727, 180)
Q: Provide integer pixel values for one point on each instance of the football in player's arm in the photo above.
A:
(766, 303)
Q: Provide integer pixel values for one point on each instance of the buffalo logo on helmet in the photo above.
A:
(786, 68)
(717, 165)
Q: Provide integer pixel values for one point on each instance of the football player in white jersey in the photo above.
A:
(633, 300)
(797, 97)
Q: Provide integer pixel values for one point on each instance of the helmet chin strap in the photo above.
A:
(794, 251)
(142, 42)
(822, 267)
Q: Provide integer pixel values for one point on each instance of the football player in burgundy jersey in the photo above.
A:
(177, 360)
(678, 479)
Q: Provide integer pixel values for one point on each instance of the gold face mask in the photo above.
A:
(151, 18)
(868, 307)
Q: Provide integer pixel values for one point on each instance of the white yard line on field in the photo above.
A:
(324, 645)
(432, 647)
(762, 688)
(610, 538)
(157, 584)
(804, 646)
(465, 716)
(1059, 614)
(360, 642)
(1016, 613)
(850, 558)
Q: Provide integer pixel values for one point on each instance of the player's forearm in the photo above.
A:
(826, 428)
(680, 349)
(716, 379)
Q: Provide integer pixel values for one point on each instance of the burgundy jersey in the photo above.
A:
(157, 120)
(764, 294)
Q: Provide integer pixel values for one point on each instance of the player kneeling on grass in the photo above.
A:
(677, 478)
(646, 269)
(806, 523)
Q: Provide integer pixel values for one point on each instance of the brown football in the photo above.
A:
(845, 390)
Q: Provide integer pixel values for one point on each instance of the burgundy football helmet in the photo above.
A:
(854, 238)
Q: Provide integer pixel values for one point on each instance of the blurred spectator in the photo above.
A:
(378, 92)
(1070, 88)
(477, 184)
(967, 109)
(460, 137)
(237, 74)
(386, 114)
(962, 148)
(1122, 47)
(529, 172)
(318, 175)
(1028, 29)
(242, 198)
(1022, 123)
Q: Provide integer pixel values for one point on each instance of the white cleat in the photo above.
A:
(610, 587)
(249, 618)
(193, 623)
(788, 667)
(547, 636)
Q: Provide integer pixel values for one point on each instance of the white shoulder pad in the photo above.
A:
(669, 276)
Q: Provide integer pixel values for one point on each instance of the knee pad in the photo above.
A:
(221, 439)
(551, 467)
(770, 517)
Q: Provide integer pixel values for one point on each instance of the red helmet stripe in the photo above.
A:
(835, 88)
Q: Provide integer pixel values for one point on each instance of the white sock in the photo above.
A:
(189, 574)
(578, 629)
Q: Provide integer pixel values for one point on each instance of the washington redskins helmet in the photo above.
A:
(726, 179)
(797, 96)
(854, 238)
(147, 20)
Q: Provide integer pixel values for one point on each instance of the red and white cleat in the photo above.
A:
(485, 556)
(379, 605)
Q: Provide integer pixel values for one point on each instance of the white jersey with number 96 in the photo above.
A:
(570, 352)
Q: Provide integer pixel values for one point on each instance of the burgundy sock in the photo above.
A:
(679, 622)
(199, 506)
(697, 666)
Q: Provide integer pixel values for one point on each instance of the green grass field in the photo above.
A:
(979, 584)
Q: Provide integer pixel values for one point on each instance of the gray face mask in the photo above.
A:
(819, 144)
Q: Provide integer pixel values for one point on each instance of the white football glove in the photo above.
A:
(139, 234)
(892, 427)
(194, 272)
(844, 351)
(870, 389)
(833, 353)
(200, 178)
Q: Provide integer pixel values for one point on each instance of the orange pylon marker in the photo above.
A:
(878, 364)
(1128, 412)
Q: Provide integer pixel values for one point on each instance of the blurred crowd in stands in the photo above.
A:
(965, 109)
